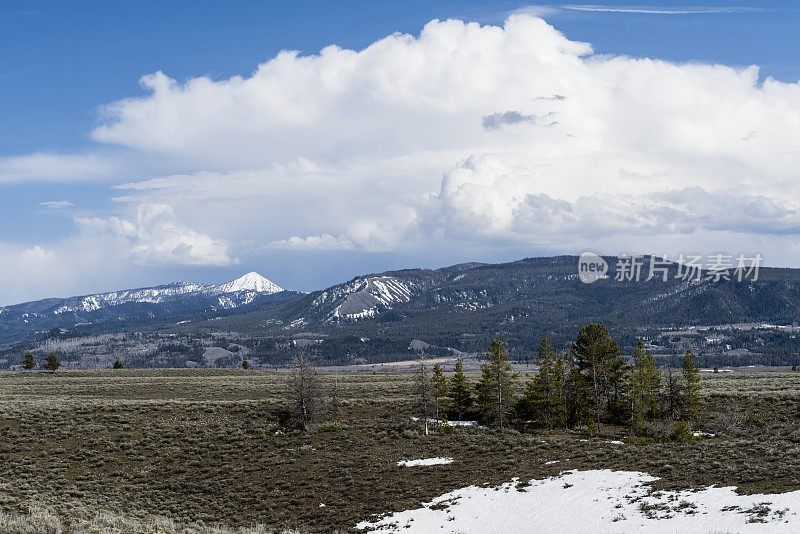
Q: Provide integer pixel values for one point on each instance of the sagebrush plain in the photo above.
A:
(199, 450)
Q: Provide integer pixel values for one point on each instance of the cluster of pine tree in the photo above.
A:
(587, 386)
(52, 362)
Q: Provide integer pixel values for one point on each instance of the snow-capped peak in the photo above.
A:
(250, 282)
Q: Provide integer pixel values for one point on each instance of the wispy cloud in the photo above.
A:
(54, 167)
(541, 11)
(659, 10)
(56, 204)
(548, 11)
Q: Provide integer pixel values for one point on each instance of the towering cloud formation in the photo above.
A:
(535, 138)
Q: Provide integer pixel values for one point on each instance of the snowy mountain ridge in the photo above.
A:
(246, 287)
(179, 300)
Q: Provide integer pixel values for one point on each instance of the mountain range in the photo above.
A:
(179, 301)
(458, 306)
(521, 300)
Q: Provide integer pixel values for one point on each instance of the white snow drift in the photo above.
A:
(596, 501)
(425, 462)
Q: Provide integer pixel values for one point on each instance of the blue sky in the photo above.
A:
(62, 61)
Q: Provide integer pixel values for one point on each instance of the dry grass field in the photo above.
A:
(182, 451)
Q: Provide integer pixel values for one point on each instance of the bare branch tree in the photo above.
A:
(335, 401)
(672, 395)
(304, 390)
(423, 392)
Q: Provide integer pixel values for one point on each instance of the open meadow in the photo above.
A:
(210, 447)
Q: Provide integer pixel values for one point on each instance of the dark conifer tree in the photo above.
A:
(496, 386)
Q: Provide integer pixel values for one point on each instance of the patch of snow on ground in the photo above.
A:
(425, 461)
(435, 421)
(462, 423)
(595, 501)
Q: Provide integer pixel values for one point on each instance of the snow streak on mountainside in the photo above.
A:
(364, 298)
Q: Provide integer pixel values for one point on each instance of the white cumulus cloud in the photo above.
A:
(483, 198)
(155, 236)
(314, 242)
(566, 136)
